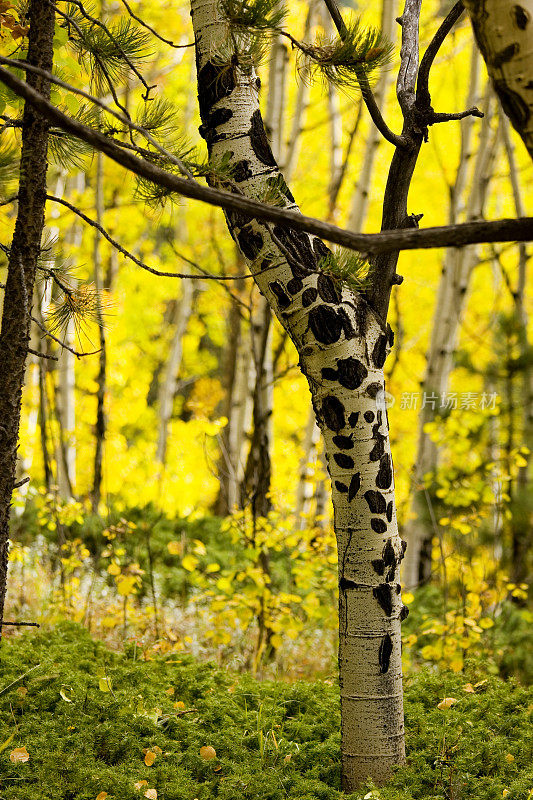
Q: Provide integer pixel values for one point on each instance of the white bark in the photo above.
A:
(292, 145)
(504, 33)
(449, 307)
(389, 12)
(168, 387)
(304, 491)
(342, 348)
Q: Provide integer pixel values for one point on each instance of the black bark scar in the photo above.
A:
(385, 652)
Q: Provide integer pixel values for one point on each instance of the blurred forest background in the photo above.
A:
(178, 497)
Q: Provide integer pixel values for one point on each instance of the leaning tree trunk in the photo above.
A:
(342, 348)
(23, 256)
(503, 31)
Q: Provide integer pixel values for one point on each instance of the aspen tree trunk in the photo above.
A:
(255, 489)
(22, 265)
(67, 373)
(292, 146)
(342, 348)
(521, 515)
(451, 297)
(304, 492)
(227, 463)
(169, 384)
(359, 208)
(503, 31)
(101, 423)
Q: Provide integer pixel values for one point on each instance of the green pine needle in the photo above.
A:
(254, 14)
(346, 267)
(344, 62)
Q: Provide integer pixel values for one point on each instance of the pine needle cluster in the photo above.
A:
(346, 62)
(108, 53)
(346, 267)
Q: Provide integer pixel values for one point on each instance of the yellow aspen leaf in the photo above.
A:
(63, 694)
(104, 685)
(408, 597)
(149, 758)
(509, 758)
(113, 569)
(101, 796)
(126, 585)
(212, 567)
(19, 755)
(447, 703)
(151, 794)
(139, 785)
(189, 563)
(170, 691)
(468, 688)
(180, 705)
(208, 753)
(157, 750)
(486, 623)
(174, 548)
(506, 793)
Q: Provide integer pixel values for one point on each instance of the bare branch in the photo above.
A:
(423, 97)
(385, 242)
(440, 117)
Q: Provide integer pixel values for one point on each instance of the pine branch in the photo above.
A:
(115, 41)
(364, 85)
(385, 242)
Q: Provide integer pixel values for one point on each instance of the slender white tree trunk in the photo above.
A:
(342, 348)
(503, 31)
(449, 307)
(169, 384)
(304, 491)
(389, 12)
(292, 146)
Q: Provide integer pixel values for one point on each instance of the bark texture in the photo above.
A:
(24, 252)
(342, 348)
(504, 33)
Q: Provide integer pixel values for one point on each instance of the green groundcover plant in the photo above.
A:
(88, 723)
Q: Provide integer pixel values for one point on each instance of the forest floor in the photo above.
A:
(79, 722)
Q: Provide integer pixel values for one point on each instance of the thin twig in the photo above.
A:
(152, 31)
(20, 625)
(62, 344)
(42, 355)
(17, 485)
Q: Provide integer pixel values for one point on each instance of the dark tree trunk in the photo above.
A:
(25, 248)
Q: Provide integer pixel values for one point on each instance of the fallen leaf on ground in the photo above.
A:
(19, 755)
(448, 702)
(208, 753)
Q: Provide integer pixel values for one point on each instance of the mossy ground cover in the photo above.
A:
(87, 716)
